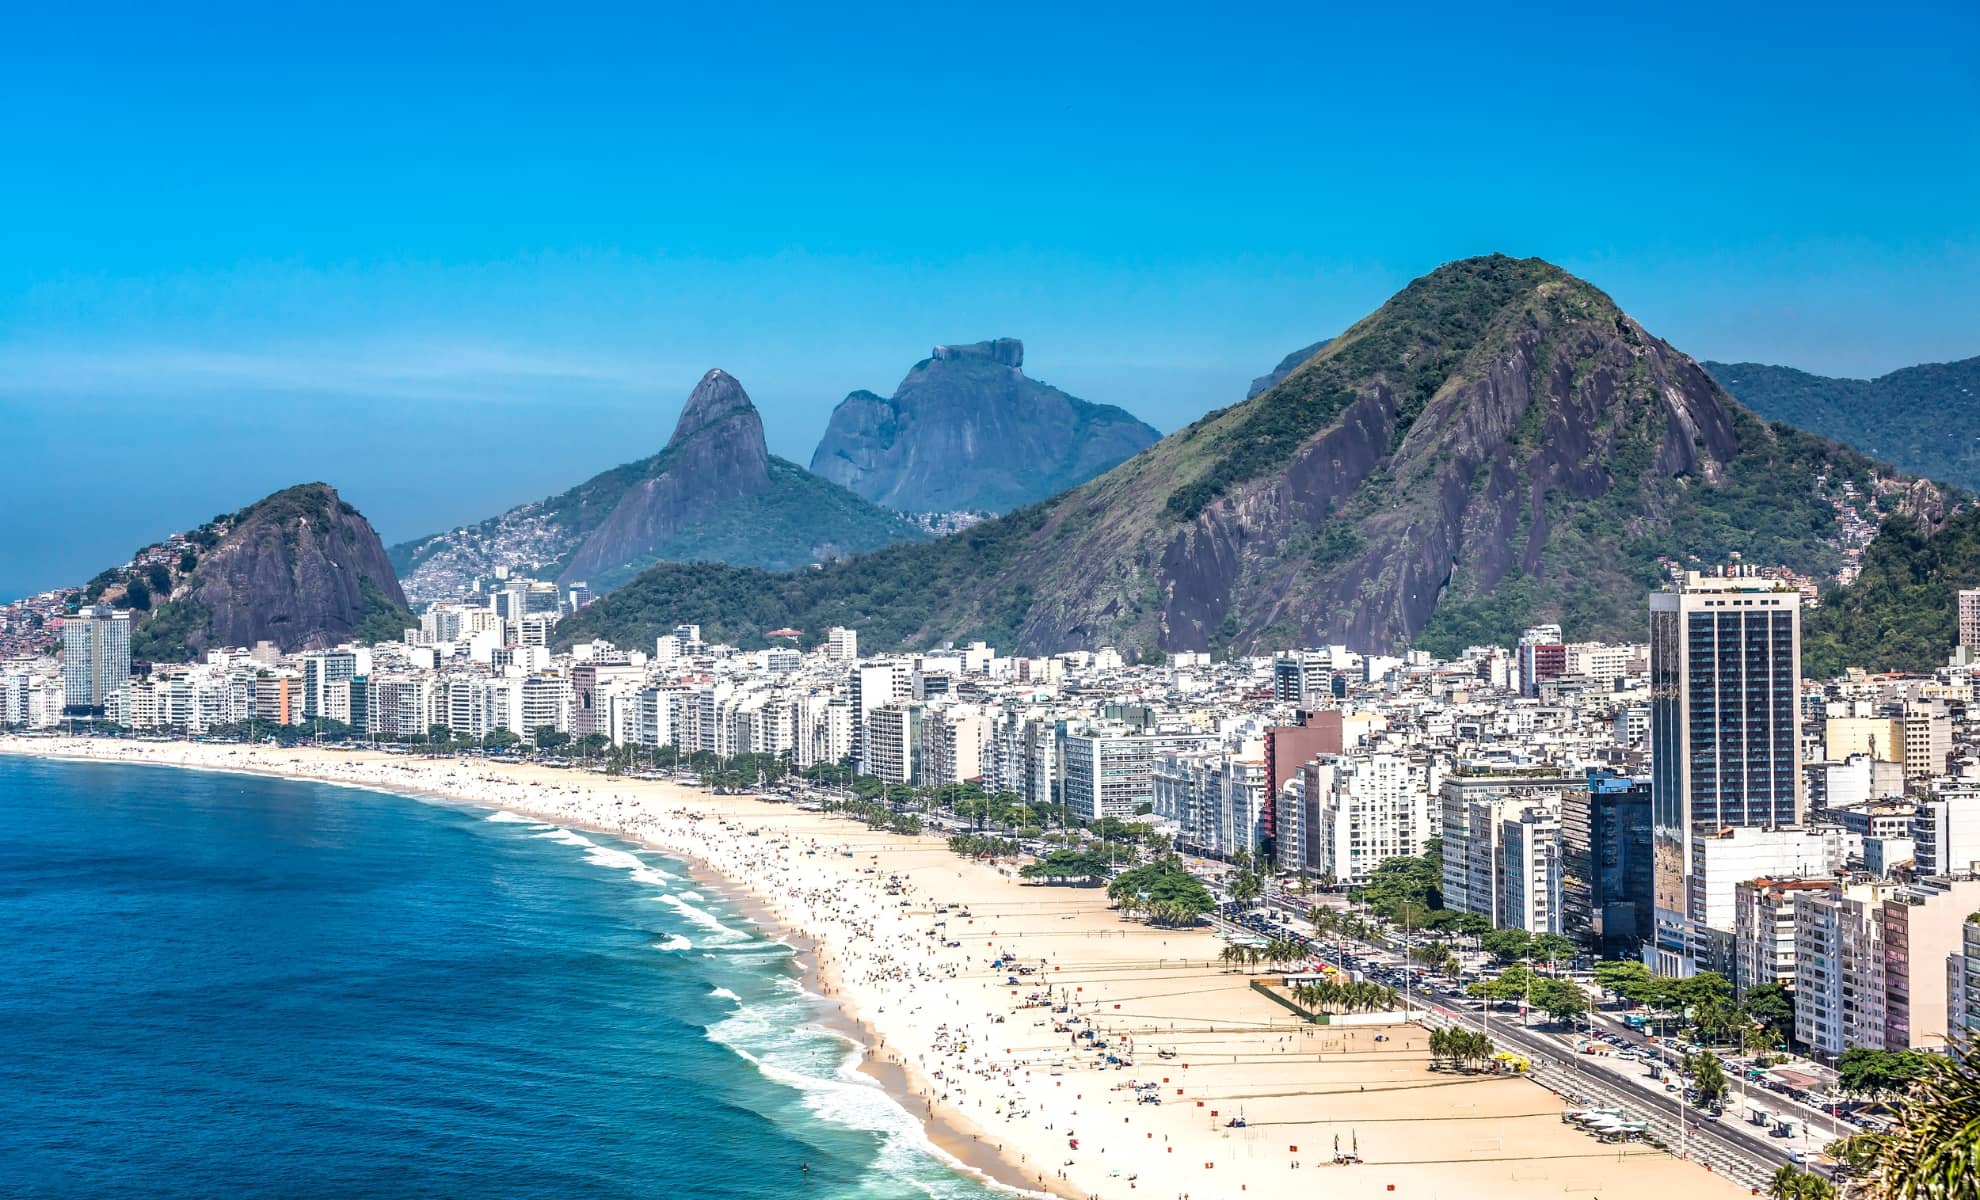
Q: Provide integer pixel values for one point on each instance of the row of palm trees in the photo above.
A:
(1458, 1047)
(1349, 925)
(1160, 912)
(1279, 952)
(1345, 996)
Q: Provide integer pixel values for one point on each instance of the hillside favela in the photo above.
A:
(1463, 684)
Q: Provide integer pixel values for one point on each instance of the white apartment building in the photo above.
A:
(952, 741)
(1946, 829)
(1367, 807)
(1764, 928)
(1529, 876)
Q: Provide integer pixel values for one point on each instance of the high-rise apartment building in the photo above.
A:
(1472, 809)
(1725, 678)
(1606, 876)
(96, 657)
(1969, 618)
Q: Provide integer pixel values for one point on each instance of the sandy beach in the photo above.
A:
(952, 968)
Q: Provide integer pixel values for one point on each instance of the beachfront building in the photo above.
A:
(1725, 677)
(1474, 806)
(952, 737)
(1366, 807)
(1529, 875)
(1110, 772)
(96, 657)
(1838, 970)
(1606, 877)
(893, 742)
(1764, 924)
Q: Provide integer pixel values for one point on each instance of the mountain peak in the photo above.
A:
(967, 429)
(718, 400)
(1006, 352)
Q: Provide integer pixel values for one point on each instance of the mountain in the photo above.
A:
(1901, 612)
(301, 568)
(1496, 446)
(967, 429)
(714, 493)
(1287, 365)
(1924, 419)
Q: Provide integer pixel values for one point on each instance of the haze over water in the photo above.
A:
(214, 985)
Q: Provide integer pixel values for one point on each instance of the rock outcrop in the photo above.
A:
(301, 568)
(714, 494)
(968, 430)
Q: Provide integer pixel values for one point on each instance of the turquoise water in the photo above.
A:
(213, 985)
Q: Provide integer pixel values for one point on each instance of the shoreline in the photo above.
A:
(999, 1096)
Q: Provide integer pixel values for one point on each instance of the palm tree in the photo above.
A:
(1932, 1151)
(1792, 1183)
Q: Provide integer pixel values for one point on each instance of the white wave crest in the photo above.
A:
(704, 918)
(822, 1065)
(726, 994)
(676, 942)
(506, 817)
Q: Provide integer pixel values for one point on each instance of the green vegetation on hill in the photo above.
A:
(781, 529)
(1900, 613)
(1412, 344)
(889, 595)
(1923, 419)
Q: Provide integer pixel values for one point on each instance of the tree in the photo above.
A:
(439, 733)
(1172, 895)
(1245, 887)
(1507, 944)
(137, 595)
(1771, 1006)
(501, 739)
(1932, 1151)
(1554, 948)
(1793, 1183)
(1865, 1072)
(1560, 999)
(159, 577)
(548, 738)
(1709, 1077)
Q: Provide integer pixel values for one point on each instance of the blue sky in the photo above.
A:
(453, 257)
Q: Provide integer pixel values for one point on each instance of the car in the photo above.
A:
(1798, 1157)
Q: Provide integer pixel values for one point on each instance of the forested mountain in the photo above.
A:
(1924, 419)
(1495, 446)
(1901, 613)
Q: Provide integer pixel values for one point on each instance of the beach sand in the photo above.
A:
(1004, 1090)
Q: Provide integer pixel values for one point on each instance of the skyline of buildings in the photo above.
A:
(1820, 835)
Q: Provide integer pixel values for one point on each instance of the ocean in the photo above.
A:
(222, 986)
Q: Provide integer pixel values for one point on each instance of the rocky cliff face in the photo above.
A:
(714, 493)
(302, 569)
(968, 430)
(1496, 446)
(716, 458)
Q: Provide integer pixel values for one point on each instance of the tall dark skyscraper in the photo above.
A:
(1725, 680)
(1607, 882)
